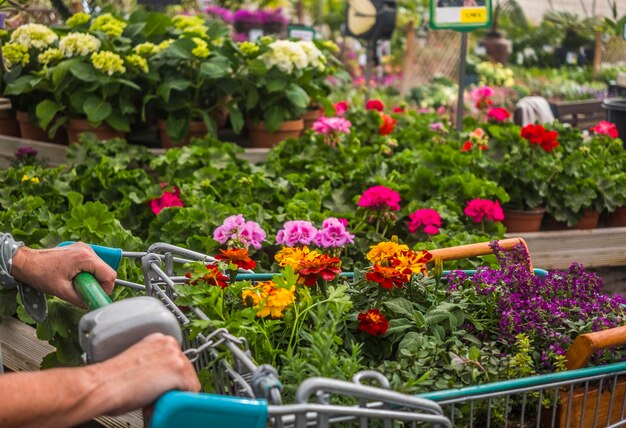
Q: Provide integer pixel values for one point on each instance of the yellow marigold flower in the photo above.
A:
(269, 299)
(292, 256)
(78, 44)
(34, 180)
(137, 62)
(15, 54)
(146, 49)
(248, 48)
(381, 253)
(77, 19)
(183, 22)
(108, 62)
(109, 25)
(25, 178)
(202, 48)
(49, 55)
(35, 36)
(413, 260)
(165, 44)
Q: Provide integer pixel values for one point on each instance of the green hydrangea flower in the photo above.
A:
(78, 19)
(50, 55)
(183, 22)
(34, 36)
(165, 44)
(248, 48)
(15, 54)
(108, 62)
(109, 25)
(146, 49)
(78, 44)
(202, 48)
(137, 62)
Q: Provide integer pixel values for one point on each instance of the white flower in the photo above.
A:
(286, 55)
(34, 36)
(78, 44)
(315, 57)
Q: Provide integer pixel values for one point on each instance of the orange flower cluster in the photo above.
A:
(310, 265)
(269, 299)
(395, 263)
(212, 276)
(238, 257)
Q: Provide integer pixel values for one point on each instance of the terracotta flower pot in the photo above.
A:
(197, 128)
(259, 136)
(32, 131)
(310, 117)
(9, 124)
(523, 220)
(75, 127)
(589, 220)
(617, 218)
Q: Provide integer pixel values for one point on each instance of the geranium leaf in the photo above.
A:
(97, 109)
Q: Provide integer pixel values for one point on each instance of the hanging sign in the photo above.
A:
(370, 19)
(460, 15)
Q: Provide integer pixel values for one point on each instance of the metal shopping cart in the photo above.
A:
(249, 395)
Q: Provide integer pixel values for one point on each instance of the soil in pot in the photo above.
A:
(196, 129)
(9, 124)
(260, 137)
(75, 127)
(523, 220)
(31, 131)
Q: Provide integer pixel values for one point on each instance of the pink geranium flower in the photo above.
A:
(498, 114)
(167, 200)
(341, 107)
(236, 231)
(380, 197)
(327, 125)
(480, 209)
(437, 126)
(296, 232)
(427, 218)
(374, 104)
(482, 92)
(605, 128)
(333, 234)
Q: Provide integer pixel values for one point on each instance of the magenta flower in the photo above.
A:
(237, 231)
(379, 197)
(296, 232)
(333, 234)
(374, 104)
(479, 209)
(327, 125)
(167, 200)
(341, 107)
(26, 151)
(605, 128)
(427, 218)
(437, 126)
(482, 92)
(441, 110)
(498, 114)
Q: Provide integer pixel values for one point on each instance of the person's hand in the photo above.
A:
(51, 271)
(141, 374)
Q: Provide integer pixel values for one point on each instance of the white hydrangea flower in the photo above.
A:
(78, 44)
(286, 56)
(35, 36)
(315, 57)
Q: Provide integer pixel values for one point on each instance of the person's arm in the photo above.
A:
(69, 396)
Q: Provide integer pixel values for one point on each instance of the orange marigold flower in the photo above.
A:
(387, 277)
(373, 322)
(383, 252)
(412, 260)
(213, 276)
(237, 256)
(322, 266)
(270, 300)
(292, 256)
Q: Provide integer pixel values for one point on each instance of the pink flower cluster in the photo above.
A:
(498, 114)
(237, 231)
(377, 197)
(333, 234)
(167, 200)
(605, 128)
(296, 232)
(479, 209)
(327, 125)
(426, 218)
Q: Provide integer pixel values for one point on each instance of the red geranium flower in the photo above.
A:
(322, 266)
(533, 133)
(467, 146)
(549, 142)
(398, 109)
(387, 277)
(605, 128)
(237, 256)
(213, 276)
(374, 105)
(373, 322)
(167, 200)
(498, 114)
(388, 125)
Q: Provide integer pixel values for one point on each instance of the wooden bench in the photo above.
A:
(579, 114)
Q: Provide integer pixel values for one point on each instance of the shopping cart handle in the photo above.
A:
(111, 256)
(192, 410)
(89, 289)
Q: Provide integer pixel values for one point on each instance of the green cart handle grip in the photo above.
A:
(89, 289)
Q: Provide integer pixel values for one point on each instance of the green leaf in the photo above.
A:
(400, 306)
(215, 68)
(398, 325)
(97, 109)
(236, 117)
(118, 121)
(46, 110)
(252, 99)
(177, 128)
(474, 353)
(181, 49)
(297, 95)
(257, 67)
(156, 24)
(274, 117)
(20, 86)
(275, 85)
(167, 87)
(83, 71)
(61, 70)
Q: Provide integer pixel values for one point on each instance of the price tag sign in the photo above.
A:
(460, 15)
(301, 32)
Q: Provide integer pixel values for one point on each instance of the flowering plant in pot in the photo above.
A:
(194, 81)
